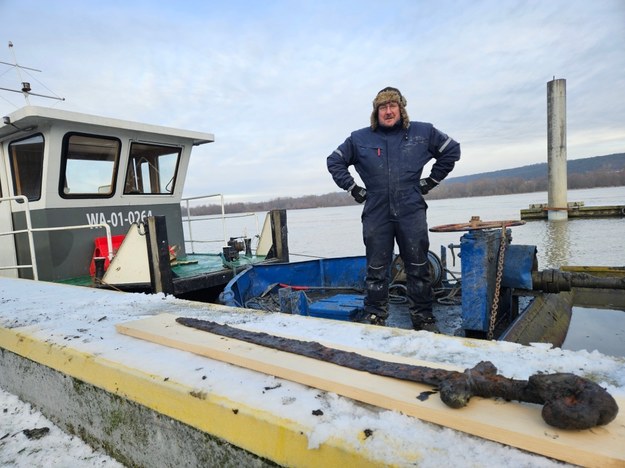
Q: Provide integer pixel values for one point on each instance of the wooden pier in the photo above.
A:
(575, 210)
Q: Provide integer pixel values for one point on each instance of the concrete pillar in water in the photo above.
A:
(556, 150)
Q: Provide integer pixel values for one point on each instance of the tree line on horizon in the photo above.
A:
(476, 186)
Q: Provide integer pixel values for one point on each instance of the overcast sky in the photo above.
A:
(282, 83)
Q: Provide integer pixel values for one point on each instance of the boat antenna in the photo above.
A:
(26, 89)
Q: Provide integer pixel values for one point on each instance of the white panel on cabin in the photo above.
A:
(130, 265)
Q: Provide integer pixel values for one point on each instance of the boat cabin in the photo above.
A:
(73, 187)
(70, 180)
(61, 169)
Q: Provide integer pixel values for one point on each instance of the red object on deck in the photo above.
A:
(102, 250)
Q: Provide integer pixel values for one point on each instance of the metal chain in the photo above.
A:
(495, 307)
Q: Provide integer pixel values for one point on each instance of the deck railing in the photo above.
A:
(188, 219)
(29, 232)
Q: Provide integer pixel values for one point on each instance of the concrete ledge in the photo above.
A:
(127, 431)
(148, 420)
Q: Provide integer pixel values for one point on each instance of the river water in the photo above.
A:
(336, 231)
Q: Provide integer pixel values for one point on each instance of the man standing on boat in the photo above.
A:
(389, 156)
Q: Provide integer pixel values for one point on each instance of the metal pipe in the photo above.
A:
(555, 281)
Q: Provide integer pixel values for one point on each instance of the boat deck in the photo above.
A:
(202, 263)
(347, 304)
(207, 274)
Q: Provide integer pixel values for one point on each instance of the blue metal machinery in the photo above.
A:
(489, 274)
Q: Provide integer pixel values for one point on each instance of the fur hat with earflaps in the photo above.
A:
(389, 94)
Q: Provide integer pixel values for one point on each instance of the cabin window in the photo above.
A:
(88, 166)
(26, 159)
(151, 169)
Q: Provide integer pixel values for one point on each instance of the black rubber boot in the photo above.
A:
(376, 312)
(424, 321)
(377, 320)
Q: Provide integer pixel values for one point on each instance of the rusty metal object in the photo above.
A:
(570, 401)
(476, 223)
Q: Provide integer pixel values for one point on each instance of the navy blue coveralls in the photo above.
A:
(390, 162)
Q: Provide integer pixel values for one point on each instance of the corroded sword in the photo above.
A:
(569, 401)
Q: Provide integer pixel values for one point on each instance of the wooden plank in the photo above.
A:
(516, 424)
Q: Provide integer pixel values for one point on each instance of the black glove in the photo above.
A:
(427, 184)
(359, 193)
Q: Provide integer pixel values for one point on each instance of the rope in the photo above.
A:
(397, 298)
(307, 256)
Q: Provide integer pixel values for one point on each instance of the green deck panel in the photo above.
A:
(198, 264)
(86, 280)
(187, 267)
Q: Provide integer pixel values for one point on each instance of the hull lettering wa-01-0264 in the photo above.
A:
(118, 218)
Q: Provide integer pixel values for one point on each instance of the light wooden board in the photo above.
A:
(511, 423)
